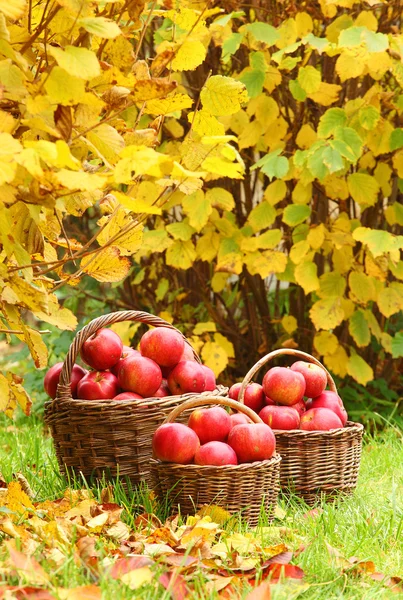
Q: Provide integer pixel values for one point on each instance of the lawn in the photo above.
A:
(366, 529)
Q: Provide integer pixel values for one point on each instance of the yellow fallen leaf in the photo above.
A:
(135, 579)
(84, 592)
(96, 523)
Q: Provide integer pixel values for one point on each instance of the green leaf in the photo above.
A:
(315, 160)
(258, 61)
(253, 80)
(376, 42)
(358, 328)
(198, 208)
(262, 216)
(328, 123)
(223, 95)
(396, 139)
(368, 117)
(332, 284)
(332, 159)
(269, 240)
(263, 32)
(397, 345)
(363, 188)
(355, 36)
(351, 138)
(351, 37)
(378, 241)
(181, 255)
(315, 42)
(273, 165)
(180, 231)
(297, 91)
(309, 79)
(295, 214)
(231, 45)
(359, 369)
(389, 302)
(361, 286)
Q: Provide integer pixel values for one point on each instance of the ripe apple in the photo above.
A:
(187, 354)
(269, 401)
(140, 374)
(163, 345)
(333, 402)
(300, 406)
(126, 351)
(284, 386)
(187, 376)
(252, 442)
(215, 453)
(280, 417)
(210, 379)
(210, 424)
(163, 390)
(102, 350)
(128, 396)
(52, 379)
(253, 397)
(238, 418)
(175, 442)
(315, 377)
(98, 385)
(320, 419)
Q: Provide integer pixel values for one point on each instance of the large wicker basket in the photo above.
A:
(107, 438)
(246, 488)
(315, 464)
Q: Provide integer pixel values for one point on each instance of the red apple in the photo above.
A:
(215, 453)
(102, 350)
(253, 397)
(320, 419)
(175, 442)
(252, 442)
(163, 345)
(140, 374)
(280, 417)
(52, 379)
(333, 402)
(163, 390)
(126, 351)
(98, 385)
(269, 401)
(238, 418)
(128, 396)
(210, 379)
(284, 386)
(315, 377)
(300, 406)
(187, 376)
(210, 424)
(187, 354)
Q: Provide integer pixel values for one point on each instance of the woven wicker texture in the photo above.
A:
(105, 437)
(246, 488)
(315, 464)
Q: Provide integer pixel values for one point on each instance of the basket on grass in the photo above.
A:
(247, 488)
(110, 438)
(315, 464)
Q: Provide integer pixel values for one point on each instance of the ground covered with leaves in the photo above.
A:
(65, 540)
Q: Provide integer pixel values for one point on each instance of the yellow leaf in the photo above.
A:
(337, 361)
(309, 79)
(289, 323)
(150, 89)
(336, 188)
(325, 343)
(362, 288)
(83, 592)
(107, 140)
(189, 55)
(13, 9)
(223, 95)
(79, 62)
(107, 265)
(37, 347)
(137, 578)
(250, 135)
(299, 251)
(100, 26)
(363, 188)
(138, 205)
(390, 302)
(306, 276)
(306, 136)
(225, 343)
(327, 313)
(316, 236)
(351, 63)
(220, 198)
(327, 94)
(60, 317)
(139, 160)
(203, 327)
(275, 192)
(359, 369)
(127, 242)
(266, 263)
(223, 167)
(214, 356)
(80, 180)
(205, 124)
(207, 246)
(304, 24)
(181, 255)
(398, 163)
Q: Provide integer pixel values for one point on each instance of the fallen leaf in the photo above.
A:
(279, 513)
(25, 593)
(26, 566)
(147, 520)
(216, 513)
(179, 560)
(107, 494)
(175, 584)
(127, 564)
(217, 583)
(277, 572)
(119, 531)
(312, 514)
(83, 592)
(261, 592)
(135, 579)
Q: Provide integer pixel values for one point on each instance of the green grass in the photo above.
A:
(369, 525)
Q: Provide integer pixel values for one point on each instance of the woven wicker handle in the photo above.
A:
(286, 351)
(195, 402)
(63, 388)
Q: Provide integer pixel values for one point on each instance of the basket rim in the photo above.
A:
(350, 426)
(150, 402)
(276, 458)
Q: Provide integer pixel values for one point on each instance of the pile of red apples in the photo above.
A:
(164, 365)
(214, 437)
(294, 398)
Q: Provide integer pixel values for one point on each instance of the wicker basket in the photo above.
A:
(247, 488)
(315, 464)
(98, 438)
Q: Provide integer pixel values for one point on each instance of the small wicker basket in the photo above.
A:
(315, 464)
(247, 488)
(107, 438)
